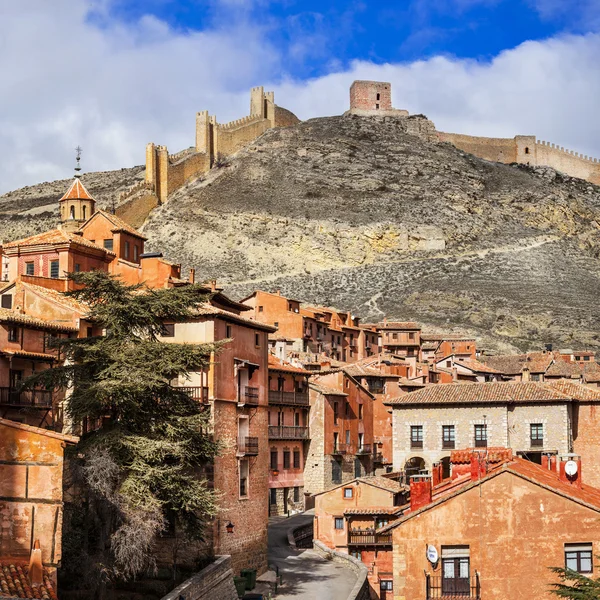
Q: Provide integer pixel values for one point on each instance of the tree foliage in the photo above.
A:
(575, 586)
(144, 461)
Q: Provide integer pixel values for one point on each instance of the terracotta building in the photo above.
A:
(495, 532)
(289, 436)
(348, 518)
(402, 338)
(31, 509)
(235, 390)
(463, 347)
(465, 369)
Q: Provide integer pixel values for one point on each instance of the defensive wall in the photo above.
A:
(166, 173)
(527, 150)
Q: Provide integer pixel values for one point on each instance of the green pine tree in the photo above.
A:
(575, 586)
(144, 462)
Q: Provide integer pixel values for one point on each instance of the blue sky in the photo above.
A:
(113, 75)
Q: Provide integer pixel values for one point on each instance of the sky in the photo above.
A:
(112, 75)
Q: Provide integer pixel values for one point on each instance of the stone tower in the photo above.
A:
(76, 206)
(371, 95)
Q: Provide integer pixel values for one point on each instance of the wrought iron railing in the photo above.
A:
(292, 398)
(340, 449)
(248, 445)
(440, 587)
(31, 398)
(285, 432)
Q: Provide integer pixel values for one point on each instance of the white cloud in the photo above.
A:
(112, 89)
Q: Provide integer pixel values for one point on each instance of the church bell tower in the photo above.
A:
(76, 206)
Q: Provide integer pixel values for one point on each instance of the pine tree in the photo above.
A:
(575, 586)
(143, 462)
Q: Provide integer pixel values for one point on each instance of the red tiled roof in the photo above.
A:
(577, 391)
(14, 582)
(383, 482)
(382, 510)
(77, 191)
(562, 368)
(276, 364)
(26, 354)
(55, 236)
(493, 455)
(446, 337)
(207, 309)
(325, 390)
(476, 366)
(399, 325)
(58, 297)
(40, 431)
(12, 316)
(513, 364)
(476, 393)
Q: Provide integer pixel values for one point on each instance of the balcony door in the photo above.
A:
(455, 576)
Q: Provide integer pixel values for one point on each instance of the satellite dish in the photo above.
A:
(571, 468)
(432, 554)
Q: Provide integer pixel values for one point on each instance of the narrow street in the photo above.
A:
(306, 576)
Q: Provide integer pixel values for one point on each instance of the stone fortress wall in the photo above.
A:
(166, 173)
(374, 98)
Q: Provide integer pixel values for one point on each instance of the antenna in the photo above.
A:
(78, 150)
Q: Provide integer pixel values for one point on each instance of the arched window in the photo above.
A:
(72, 213)
(83, 213)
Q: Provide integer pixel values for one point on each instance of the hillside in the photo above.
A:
(376, 215)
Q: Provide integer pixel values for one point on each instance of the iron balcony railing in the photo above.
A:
(292, 398)
(26, 398)
(199, 393)
(364, 449)
(285, 432)
(368, 537)
(248, 445)
(340, 449)
(464, 587)
(249, 395)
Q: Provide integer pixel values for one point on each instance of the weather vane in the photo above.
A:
(78, 150)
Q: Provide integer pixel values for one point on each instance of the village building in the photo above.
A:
(438, 345)
(289, 436)
(235, 390)
(497, 528)
(31, 509)
(464, 369)
(531, 418)
(402, 338)
(348, 518)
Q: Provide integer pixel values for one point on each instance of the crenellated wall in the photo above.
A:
(526, 149)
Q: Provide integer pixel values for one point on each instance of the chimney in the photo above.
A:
(478, 466)
(569, 469)
(279, 292)
(437, 473)
(192, 278)
(36, 569)
(549, 462)
(420, 491)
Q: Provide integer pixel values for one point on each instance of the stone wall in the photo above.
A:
(361, 590)
(502, 150)
(213, 583)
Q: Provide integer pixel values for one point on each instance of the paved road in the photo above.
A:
(306, 576)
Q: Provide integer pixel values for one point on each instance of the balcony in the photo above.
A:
(289, 398)
(480, 443)
(199, 393)
(377, 457)
(439, 587)
(248, 446)
(281, 432)
(416, 444)
(364, 449)
(26, 398)
(248, 397)
(537, 442)
(448, 444)
(368, 537)
(340, 449)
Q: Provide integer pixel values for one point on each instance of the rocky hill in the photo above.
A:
(376, 215)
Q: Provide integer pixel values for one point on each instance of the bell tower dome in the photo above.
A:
(77, 205)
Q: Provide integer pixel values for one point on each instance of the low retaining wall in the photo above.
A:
(213, 583)
(301, 537)
(361, 590)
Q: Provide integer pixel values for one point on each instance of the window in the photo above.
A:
(335, 441)
(394, 336)
(335, 413)
(54, 269)
(168, 330)
(348, 493)
(6, 301)
(386, 585)
(526, 150)
(89, 332)
(30, 268)
(578, 557)
(72, 212)
(273, 496)
(297, 459)
(257, 340)
(274, 459)
(77, 267)
(108, 244)
(347, 410)
(296, 419)
(381, 522)
(339, 522)
(455, 570)
(13, 334)
(535, 377)
(377, 106)
(411, 336)
(286, 459)
(276, 324)
(260, 309)
(378, 96)
(448, 363)
(586, 358)
(448, 439)
(84, 211)
(127, 250)
(228, 331)
(480, 436)
(536, 431)
(416, 436)
(136, 252)
(356, 554)
(360, 411)
(347, 437)
(336, 471)
(244, 470)
(296, 494)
